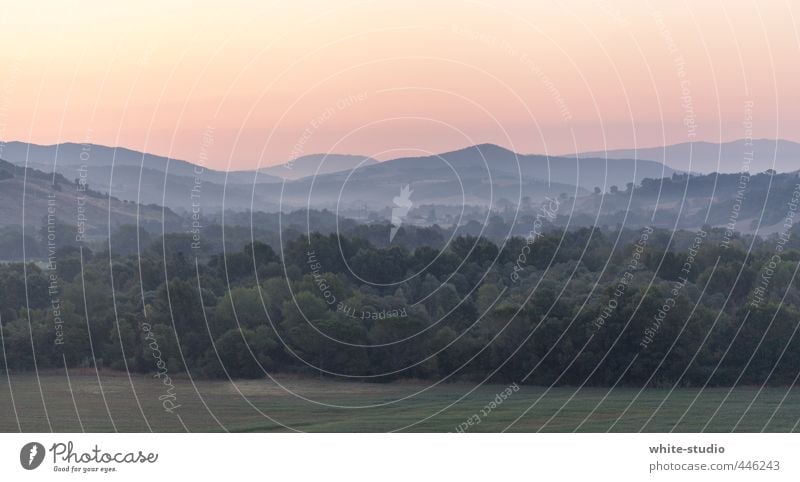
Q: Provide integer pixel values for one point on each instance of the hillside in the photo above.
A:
(26, 195)
(691, 202)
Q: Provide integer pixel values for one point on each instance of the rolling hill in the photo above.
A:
(28, 195)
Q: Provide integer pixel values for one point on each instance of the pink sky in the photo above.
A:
(272, 81)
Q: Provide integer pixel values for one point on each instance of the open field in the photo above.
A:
(113, 401)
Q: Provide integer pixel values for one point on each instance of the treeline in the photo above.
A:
(691, 201)
(633, 307)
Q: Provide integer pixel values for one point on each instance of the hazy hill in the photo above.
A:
(707, 157)
(315, 164)
(25, 196)
(68, 155)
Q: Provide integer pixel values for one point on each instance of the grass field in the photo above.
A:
(112, 401)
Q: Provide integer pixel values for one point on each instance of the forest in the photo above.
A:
(635, 307)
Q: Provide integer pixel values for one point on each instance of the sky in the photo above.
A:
(239, 85)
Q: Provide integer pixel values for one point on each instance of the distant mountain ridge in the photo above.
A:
(146, 178)
(477, 175)
(708, 157)
(71, 154)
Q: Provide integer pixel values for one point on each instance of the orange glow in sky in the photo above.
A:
(273, 80)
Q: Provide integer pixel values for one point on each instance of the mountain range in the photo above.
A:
(132, 183)
(477, 175)
(150, 179)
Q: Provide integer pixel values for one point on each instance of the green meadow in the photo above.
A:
(113, 401)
